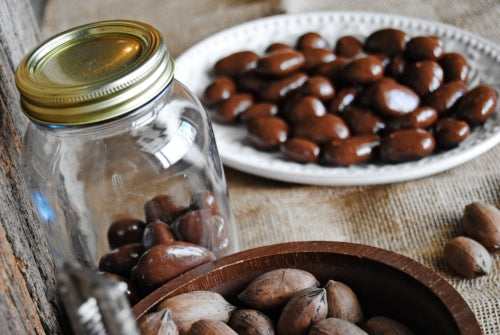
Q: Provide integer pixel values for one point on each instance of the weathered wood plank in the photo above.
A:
(27, 287)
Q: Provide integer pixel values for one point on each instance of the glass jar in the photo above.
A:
(119, 153)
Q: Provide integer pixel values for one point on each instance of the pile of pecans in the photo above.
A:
(391, 98)
(283, 301)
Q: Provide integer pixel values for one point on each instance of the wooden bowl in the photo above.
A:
(386, 283)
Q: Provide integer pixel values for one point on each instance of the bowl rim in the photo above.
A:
(460, 311)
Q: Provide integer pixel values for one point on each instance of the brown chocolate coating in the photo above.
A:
(314, 57)
(166, 261)
(455, 67)
(363, 70)
(278, 89)
(319, 87)
(277, 47)
(389, 41)
(342, 99)
(219, 90)
(396, 67)
(332, 70)
(267, 133)
(362, 122)
(203, 200)
(351, 150)
(280, 64)
(306, 107)
(450, 132)
(423, 77)
(125, 231)
(258, 110)
(163, 208)
(348, 46)
(477, 105)
(300, 150)
(132, 292)
(391, 99)
(203, 227)
(157, 232)
(406, 145)
(229, 110)
(121, 260)
(236, 64)
(311, 40)
(251, 82)
(321, 129)
(422, 117)
(424, 48)
(445, 99)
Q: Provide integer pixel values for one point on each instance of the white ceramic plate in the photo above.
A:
(193, 69)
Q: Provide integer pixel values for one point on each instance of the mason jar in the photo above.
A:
(119, 156)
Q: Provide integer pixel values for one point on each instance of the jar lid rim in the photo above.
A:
(94, 72)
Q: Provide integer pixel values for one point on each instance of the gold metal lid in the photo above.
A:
(93, 73)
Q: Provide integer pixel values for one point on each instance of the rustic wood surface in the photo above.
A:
(27, 304)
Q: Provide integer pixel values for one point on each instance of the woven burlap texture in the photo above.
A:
(413, 218)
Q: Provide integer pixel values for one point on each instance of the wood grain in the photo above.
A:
(28, 302)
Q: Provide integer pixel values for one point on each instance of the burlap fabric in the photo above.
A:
(414, 218)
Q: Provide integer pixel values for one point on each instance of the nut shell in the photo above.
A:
(467, 257)
(481, 222)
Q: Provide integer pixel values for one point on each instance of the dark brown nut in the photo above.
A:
(251, 83)
(342, 99)
(445, 99)
(319, 87)
(332, 70)
(424, 48)
(132, 291)
(449, 132)
(362, 122)
(395, 67)
(157, 232)
(392, 99)
(335, 326)
(163, 208)
(280, 63)
(273, 289)
(210, 327)
(230, 110)
(477, 105)
(251, 322)
(160, 322)
(467, 257)
(423, 77)
(277, 47)
(363, 70)
(321, 129)
(381, 325)
(351, 150)
(278, 89)
(306, 107)
(203, 227)
(187, 308)
(348, 46)
(343, 302)
(125, 231)
(121, 260)
(311, 40)
(314, 57)
(259, 110)
(481, 221)
(203, 200)
(455, 67)
(300, 150)
(219, 90)
(389, 41)
(267, 133)
(406, 145)
(302, 311)
(422, 117)
(166, 261)
(236, 64)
